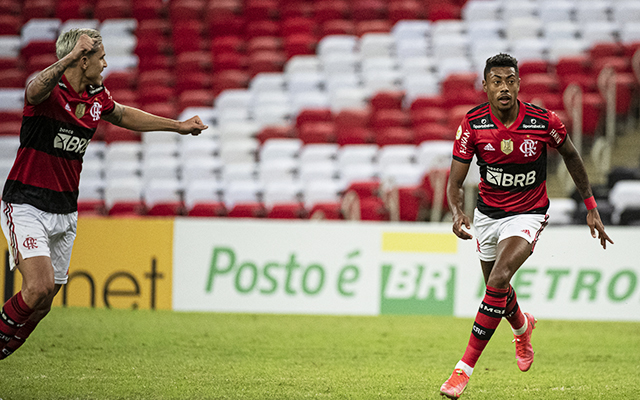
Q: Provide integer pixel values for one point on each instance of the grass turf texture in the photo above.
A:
(122, 354)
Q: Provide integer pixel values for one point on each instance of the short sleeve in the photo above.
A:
(463, 147)
(108, 105)
(557, 130)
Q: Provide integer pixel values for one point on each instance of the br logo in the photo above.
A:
(30, 243)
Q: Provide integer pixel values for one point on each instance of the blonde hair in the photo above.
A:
(67, 41)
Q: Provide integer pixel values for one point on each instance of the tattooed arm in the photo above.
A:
(576, 168)
(141, 121)
(40, 87)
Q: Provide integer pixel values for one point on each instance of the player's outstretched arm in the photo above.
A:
(455, 196)
(40, 87)
(141, 121)
(576, 168)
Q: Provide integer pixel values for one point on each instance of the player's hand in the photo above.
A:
(192, 126)
(84, 45)
(595, 224)
(460, 220)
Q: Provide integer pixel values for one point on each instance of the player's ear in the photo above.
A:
(484, 86)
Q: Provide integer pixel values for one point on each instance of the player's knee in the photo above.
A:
(499, 279)
(38, 292)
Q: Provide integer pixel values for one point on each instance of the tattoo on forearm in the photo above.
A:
(48, 79)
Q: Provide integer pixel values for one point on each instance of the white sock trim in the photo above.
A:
(463, 366)
(522, 329)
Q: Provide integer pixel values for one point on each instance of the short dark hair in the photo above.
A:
(500, 60)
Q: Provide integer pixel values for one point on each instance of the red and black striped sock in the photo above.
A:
(19, 338)
(491, 311)
(513, 314)
(13, 316)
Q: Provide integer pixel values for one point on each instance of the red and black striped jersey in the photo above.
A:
(53, 139)
(513, 160)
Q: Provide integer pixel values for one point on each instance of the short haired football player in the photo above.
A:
(63, 105)
(510, 139)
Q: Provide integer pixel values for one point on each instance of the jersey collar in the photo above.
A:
(516, 123)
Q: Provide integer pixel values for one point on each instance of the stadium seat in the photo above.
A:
(287, 211)
(211, 209)
(326, 210)
(248, 210)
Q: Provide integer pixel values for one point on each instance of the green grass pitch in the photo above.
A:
(81, 353)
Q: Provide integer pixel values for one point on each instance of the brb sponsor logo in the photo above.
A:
(496, 176)
(417, 289)
(289, 276)
(67, 142)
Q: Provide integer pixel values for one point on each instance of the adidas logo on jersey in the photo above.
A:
(489, 147)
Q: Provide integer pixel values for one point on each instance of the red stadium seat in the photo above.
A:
(91, 208)
(353, 117)
(165, 209)
(149, 9)
(74, 9)
(442, 10)
(365, 189)
(533, 84)
(11, 7)
(287, 211)
(231, 79)
(227, 44)
(265, 61)
(195, 98)
(433, 131)
(262, 28)
(11, 115)
(394, 135)
(39, 9)
(127, 209)
(229, 61)
(259, 10)
(166, 109)
(367, 10)
(533, 67)
(387, 118)
(387, 100)
(226, 25)
(155, 94)
(354, 135)
(10, 128)
(329, 10)
(113, 9)
(264, 43)
(248, 210)
(600, 50)
(332, 211)
(573, 65)
(373, 209)
(298, 26)
(272, 132)
(40, 62)
(13, 78)
(10, 24)
(314, 115)
(406, 9)
(292, 9)
(430, 101)
(192, 81)
(337, 27)
(210, 209)
(429, 115)
(114, 133)
(373, 26)
(317, 132)
(37, 48)
(123, 79)
(185, 10)
(300, 44)
(409, 203)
